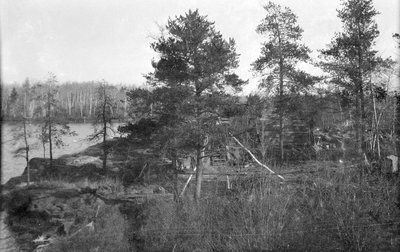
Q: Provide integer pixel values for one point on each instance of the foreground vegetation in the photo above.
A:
(320, 206)
(330, 210)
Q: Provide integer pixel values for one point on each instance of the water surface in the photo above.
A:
(13, 166)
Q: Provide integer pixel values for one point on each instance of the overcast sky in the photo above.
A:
(82, 40)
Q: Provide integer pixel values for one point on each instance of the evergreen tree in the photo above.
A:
(53, 125)
(191, 77)
(350, 57)
(103, 117)
(22, 131)
(280, 54)
(397, 95)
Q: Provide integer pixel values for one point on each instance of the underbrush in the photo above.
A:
(328, 210)
(108, 234)
(336, 211)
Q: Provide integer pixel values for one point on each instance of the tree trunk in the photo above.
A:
(90, 105)
(357, 118)
(26, 143)
(174, 156)
(49, 125)
(44, 149)
(125, 107)
(27, 154)
(81, 104)
(199, 166)
(397, 124)
(94, 107)
(375, 136)
(105, 150)
(361, 93)
(199, 174)
(280, 104)
(362, 112)
(69, 103)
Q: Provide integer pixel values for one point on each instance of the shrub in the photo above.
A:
(109, 235)
(18, 202)
(329, 211)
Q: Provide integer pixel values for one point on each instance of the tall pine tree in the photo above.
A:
(280, 54)
(350, 57)
(196, 64)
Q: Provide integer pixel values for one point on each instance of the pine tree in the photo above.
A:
(22, 131)
(280, 54)
(350, 57)
(195, 68)
(103, 117)
(53, 125)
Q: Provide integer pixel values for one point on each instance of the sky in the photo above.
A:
(85, 40)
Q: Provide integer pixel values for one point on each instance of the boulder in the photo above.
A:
(159, 190)
(81, 160)
(38, 165)
(18, 202)
(395, 163)
(150, 189)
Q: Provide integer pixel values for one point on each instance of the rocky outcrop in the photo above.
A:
(44, 211)
(81, 160)
(49, 212)
(38, 215)
(84, 159)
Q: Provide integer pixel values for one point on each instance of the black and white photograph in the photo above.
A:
(200, 125)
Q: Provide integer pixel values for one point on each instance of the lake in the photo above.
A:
(14, 166)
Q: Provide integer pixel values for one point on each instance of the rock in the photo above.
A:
(19, 202)
(131, 190)
(67, 226)
(104, 189)
(68, 215)
(144, 151)
(159, 190)
(146, 190)
(165, 160)
(88, 190)
(37, 165)
(26, 236)
(14, 182)
(115, 169)
(81, 160)
(66, 193)
(150, 189)
(395, 162)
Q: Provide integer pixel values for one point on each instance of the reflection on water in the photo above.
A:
(14, 166)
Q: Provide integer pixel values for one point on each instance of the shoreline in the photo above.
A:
(65, 199)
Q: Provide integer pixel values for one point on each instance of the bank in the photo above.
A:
(76, 197)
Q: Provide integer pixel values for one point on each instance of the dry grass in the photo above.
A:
(321, 211)
(109, 234)
(325, 211)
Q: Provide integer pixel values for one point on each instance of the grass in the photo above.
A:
(113, 184)
(320, 210)
(337, 211)
(108, 234)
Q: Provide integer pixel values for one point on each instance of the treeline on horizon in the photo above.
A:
(76, 101)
